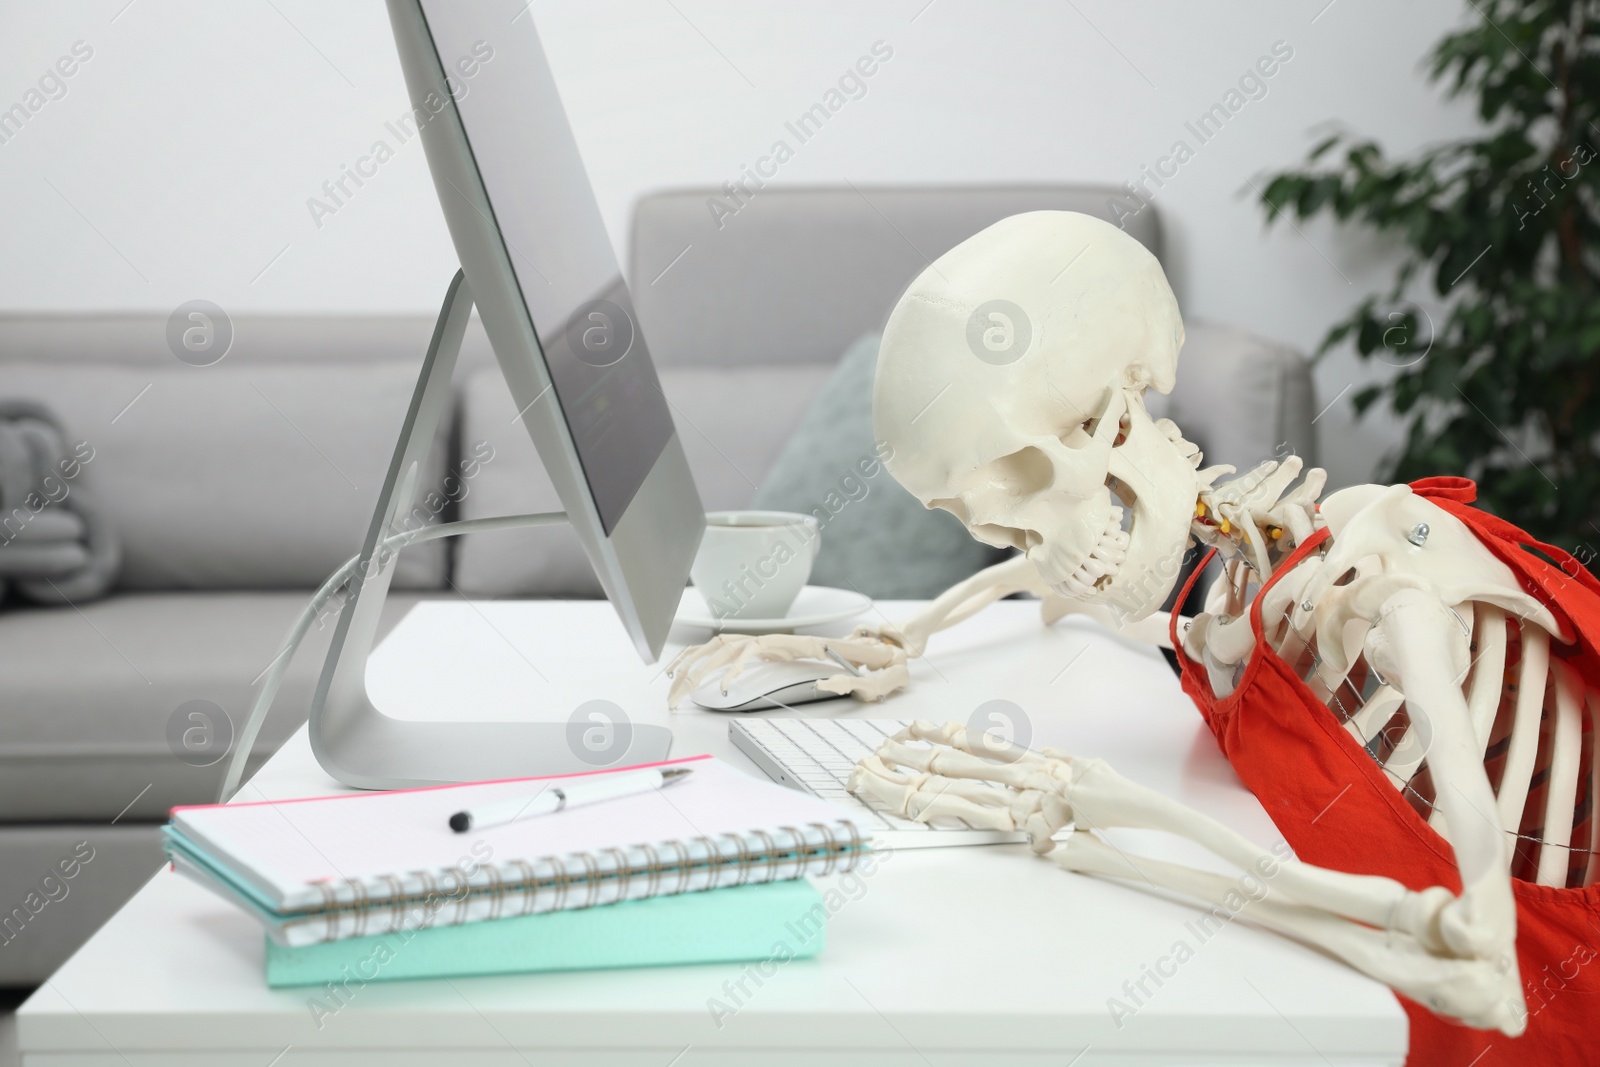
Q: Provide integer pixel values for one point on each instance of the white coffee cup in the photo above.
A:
(752, 564)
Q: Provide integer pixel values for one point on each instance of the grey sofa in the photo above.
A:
(237, 487)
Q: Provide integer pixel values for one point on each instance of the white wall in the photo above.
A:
(179, 162)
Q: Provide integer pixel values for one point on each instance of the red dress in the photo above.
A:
(1294, 755)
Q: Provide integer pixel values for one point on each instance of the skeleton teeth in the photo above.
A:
(1102, 563)
(1097, 565)
(1110, 553)
(1075, 588)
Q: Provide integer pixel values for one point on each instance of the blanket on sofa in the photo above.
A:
(56, 545)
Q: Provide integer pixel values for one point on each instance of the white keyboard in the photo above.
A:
(816, 756)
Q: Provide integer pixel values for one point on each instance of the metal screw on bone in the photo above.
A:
(1306, 605)
(1418, 534)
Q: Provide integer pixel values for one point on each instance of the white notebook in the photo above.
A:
(347, 866)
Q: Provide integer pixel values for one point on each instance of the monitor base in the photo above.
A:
(356, 742)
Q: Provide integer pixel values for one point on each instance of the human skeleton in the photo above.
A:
(1401, 625)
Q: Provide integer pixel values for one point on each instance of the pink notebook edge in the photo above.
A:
(372, 793)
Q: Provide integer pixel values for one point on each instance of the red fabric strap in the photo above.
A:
(1177, 605)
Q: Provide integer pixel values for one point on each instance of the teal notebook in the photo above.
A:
(762, 921)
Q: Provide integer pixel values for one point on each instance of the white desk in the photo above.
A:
(984, 955)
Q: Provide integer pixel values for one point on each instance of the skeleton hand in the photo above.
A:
(881, 656)
(929, 771)
(1253, 512)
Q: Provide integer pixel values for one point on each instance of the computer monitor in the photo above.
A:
(538, 264)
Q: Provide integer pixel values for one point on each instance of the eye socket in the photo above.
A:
(1027, 470)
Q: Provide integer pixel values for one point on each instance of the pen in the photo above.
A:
(559, 798)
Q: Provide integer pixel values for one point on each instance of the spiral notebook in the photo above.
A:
(327, 868)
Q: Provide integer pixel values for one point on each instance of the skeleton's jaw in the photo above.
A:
(1128, 571)
(1135, 560)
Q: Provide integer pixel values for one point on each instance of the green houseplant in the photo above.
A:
(1502, 382)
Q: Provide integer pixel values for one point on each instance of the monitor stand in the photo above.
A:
(360, 745)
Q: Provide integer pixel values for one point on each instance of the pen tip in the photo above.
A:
(461, 822)
(675, 773)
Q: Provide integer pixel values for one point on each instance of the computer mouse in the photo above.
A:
(765, 686)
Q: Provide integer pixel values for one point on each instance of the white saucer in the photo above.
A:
(816, 605)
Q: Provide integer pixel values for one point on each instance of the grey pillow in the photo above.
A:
(876, 537)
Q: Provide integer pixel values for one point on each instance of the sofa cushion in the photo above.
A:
(88, 696)
(732, 421)
(877, 538)
(235, 476)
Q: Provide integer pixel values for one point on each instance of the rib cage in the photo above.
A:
(1535, 724)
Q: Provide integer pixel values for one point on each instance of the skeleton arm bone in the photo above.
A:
(1419, 645)
(1099, 798)
(1472, 990)
(883, 650)
(1016, 575)
(1397, 935)
(968, 597)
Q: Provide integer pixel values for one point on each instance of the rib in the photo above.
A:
(1561, 795)
(1524, 749)
(1374, 715)
(1488, 670)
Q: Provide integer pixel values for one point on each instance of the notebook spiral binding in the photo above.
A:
(610, 875)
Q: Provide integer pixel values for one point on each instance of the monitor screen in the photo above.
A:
(524, 149)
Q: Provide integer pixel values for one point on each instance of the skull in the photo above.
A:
(1010, 392)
